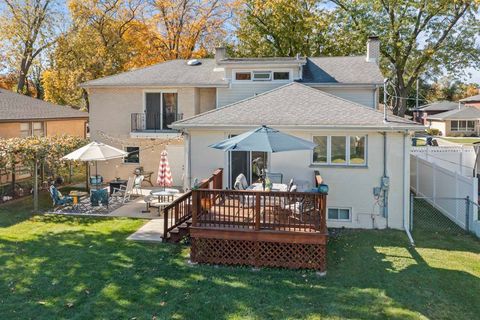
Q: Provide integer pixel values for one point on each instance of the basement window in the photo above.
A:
(339, 214)
(133, 155)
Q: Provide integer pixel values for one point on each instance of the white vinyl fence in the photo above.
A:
(439, 185)
(460, 159)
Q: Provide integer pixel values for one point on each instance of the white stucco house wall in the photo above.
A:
(184, 106)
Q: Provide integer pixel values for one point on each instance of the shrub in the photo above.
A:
(434, 132)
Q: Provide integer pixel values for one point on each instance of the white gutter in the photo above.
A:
(406, 192)
(413, 127)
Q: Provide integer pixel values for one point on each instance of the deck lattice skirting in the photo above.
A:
(257, 228)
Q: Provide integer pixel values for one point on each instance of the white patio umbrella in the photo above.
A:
(164, 178)
(95, 151)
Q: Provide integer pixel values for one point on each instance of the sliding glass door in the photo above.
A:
(161, 109)
(248, 163)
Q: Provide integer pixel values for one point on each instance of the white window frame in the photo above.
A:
(253, 71)
(161, 91)
(350, 214)
(347, 152)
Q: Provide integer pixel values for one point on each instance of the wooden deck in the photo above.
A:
(280, 229)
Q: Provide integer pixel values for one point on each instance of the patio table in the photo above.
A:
(166, 195)
(77, 197)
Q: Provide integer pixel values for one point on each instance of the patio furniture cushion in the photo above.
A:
(240, 182)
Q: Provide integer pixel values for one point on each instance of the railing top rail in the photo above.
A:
(183, 197)
(261, 192)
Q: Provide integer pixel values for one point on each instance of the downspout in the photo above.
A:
(406, 195)
(385, 180)
(188, 169)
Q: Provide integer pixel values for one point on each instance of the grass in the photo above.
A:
(82, 268)
(461, 140)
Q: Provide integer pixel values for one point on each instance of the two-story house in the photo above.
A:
(332, 101)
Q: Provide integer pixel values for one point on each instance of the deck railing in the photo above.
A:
(259, 210)
(153, 121)
(180, 210)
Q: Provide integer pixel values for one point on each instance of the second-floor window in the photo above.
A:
(262, 75)
(161, 110)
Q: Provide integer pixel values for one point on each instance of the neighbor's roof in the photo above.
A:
(14, 106)
(464, 113)
(439, 106)
(299, 106)
(349, 70)
(169, 73)
(474, 98)
(323, 70)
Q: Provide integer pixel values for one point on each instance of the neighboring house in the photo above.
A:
(420, 115)
(463, 121)
(22, 116)
(330, 100)
(472, 101)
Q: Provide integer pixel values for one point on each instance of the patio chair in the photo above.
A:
(242, 184)
(275, 177)
(96, 181)
(124, 192)
(137, 184)
(58, 199)
(99, 196)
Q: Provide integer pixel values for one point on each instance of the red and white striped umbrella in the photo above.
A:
(164, 178)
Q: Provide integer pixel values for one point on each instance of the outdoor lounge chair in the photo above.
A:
(124, 192)
(57, 198)
(242, 184)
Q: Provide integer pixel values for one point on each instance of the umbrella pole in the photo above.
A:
(96, 175)
(87, 176)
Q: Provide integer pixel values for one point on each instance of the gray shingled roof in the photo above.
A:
(331, 70)
(439, 106)
(296, 105)
(464, 113)
(474, 98)
(169, 73)
(14, 106)
(354, 70)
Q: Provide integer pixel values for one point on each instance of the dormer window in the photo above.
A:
(240, 76)
(262, 75)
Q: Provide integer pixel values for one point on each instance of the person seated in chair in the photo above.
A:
(57, 197)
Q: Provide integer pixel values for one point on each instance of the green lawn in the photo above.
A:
(462, 140)
(55, 267)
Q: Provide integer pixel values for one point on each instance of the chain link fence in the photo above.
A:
(440, 215)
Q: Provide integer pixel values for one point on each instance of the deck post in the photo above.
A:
(257, 211)
(165, 224)
(323, 217)
(195, 205)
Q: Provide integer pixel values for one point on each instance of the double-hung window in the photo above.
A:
(340, 150)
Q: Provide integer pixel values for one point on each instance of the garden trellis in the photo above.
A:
(34, 151)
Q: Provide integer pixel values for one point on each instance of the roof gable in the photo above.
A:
(14, 106)
(464, 113)
(295, 105)
(439, 106)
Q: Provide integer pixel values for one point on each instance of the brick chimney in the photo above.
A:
(220, 53)
(373, 49)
